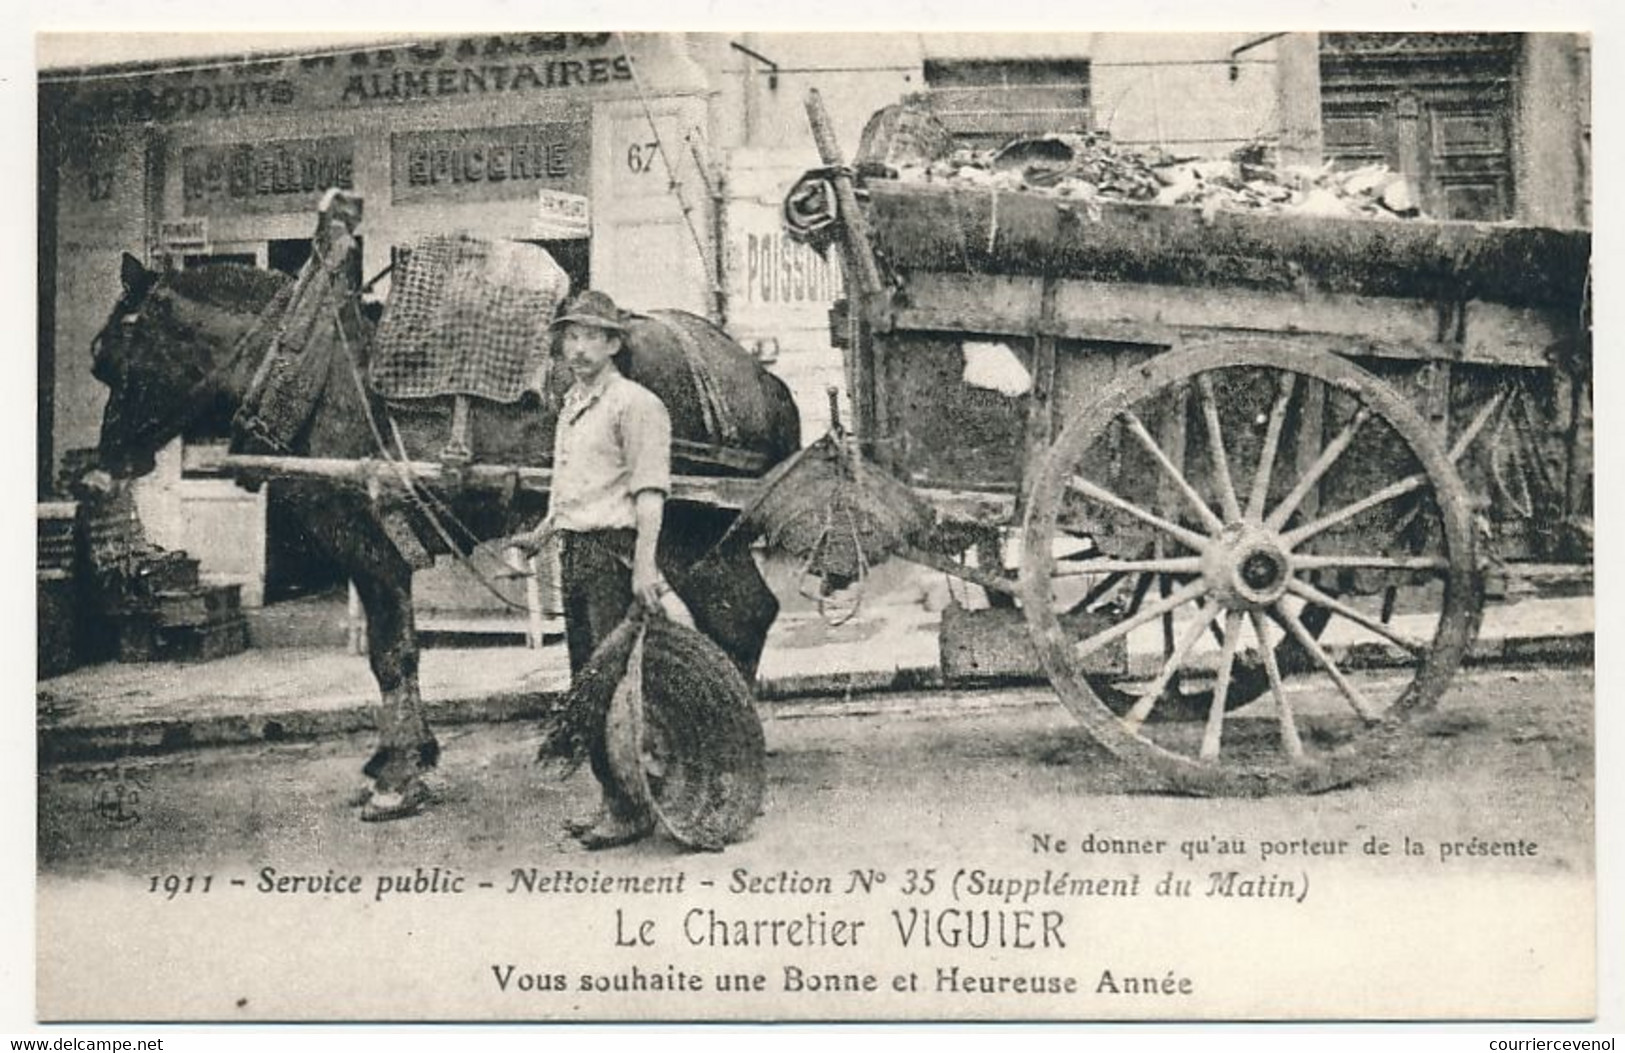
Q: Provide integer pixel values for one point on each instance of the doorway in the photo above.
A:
(1437, 107)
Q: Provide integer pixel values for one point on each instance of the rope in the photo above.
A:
(672, 182)
(423, 495)
(1519, 458)
(818, 551)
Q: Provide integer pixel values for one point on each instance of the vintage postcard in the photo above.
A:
(789, 526)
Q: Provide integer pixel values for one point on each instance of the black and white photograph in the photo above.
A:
(752, 525)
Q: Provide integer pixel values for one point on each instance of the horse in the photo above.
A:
(182, 350)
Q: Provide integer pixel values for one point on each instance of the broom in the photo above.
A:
(673, 716)
(836, 511)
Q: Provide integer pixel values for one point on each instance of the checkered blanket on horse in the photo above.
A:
(466, 316)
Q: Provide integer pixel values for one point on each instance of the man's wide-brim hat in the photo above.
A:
(592, 308)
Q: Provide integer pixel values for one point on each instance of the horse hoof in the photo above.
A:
(383, 807)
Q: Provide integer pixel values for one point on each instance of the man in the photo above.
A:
(611, 475)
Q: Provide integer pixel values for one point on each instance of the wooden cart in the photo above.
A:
(1244, 478)
(1251, 472)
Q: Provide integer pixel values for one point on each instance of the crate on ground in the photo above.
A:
(143, 638)
(208, 605)
(55, 543)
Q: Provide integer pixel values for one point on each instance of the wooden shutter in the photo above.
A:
(989, 102)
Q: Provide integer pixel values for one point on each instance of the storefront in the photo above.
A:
(560, 138)
(653, 166)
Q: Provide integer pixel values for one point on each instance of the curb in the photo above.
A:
(146, 738)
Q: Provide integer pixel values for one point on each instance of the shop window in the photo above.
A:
(573, 257)
(1437, 106)
(194, 260)
(988, 102)
(289, 254)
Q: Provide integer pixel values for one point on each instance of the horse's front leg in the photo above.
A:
(406, 747)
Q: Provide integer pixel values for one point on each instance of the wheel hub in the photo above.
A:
(1247, 567)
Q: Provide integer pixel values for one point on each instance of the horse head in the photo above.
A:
(166, 354)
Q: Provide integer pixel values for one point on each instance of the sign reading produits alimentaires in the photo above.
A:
(513, 66)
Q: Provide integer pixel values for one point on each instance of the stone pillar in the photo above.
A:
(1552, 131)
(1297, 57)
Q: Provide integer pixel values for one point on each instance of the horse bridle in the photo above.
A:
(192, 402)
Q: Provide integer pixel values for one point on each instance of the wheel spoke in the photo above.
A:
(1142, 708)
(1322, 465)
(1221, 688)
(1293, 538)
(1164, 588)
(1272, 442)
(1352, 561)
(1141, 587)
(1355, 698)
(1189, 538)
(1138, 430)
(1465, 439)
(1120, 567)
(1215, 439)
(1355, 615)
(1289, 723)
(1181, 596)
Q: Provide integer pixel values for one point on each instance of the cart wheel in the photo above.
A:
(1188, 695)
(1309, 492)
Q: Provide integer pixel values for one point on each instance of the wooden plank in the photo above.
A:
(992, 582)
(1041, 399)
(201, 459)
(1012, 123)
(1127, 312)
(991, 507)
(717, 492)
(882, 430)
(1167, 245)
(1011, 98)
(720, 456)
(995, 644)
(1312, 439)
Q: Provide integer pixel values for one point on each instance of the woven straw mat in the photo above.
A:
(467, 316)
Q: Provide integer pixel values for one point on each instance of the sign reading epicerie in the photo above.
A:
(488, 164)
(286, 175)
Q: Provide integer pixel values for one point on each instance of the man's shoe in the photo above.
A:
(612, 832)
(582, 823)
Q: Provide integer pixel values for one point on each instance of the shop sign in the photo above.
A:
(771, 270)
(562, 216)
(288, 175)
(509, 66)
(488, 164)
(184, 235)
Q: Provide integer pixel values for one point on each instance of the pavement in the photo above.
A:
(270, 694)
